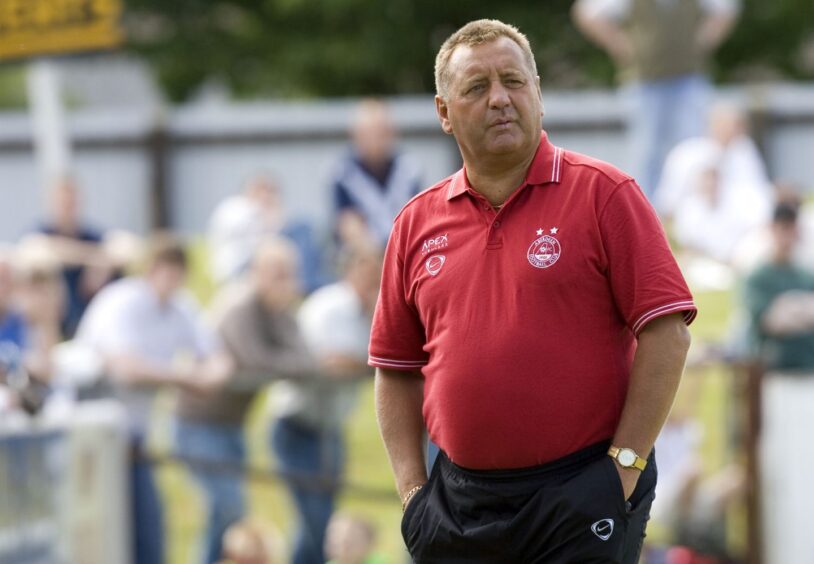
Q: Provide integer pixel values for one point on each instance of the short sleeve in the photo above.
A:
(397, 337)
(645, 279)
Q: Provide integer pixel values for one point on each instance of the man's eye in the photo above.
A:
(514, 82)
(475, 89)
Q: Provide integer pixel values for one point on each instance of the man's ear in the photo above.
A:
(442, 110)
(540, 94)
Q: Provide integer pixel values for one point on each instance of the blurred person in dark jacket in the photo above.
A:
(374, 180)
(76, 246)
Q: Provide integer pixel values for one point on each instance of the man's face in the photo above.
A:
(167, 278)
(277, 281)
(494, 106)
(785, 235)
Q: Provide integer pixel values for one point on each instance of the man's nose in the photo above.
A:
(498, 96)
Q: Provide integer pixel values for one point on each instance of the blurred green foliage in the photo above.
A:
(12, 87)
(310, 48)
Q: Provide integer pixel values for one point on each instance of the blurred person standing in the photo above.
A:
(150, 335)
(258, 329)
(715, 187)
(77, 248)
(241, 222)
(373, 180)
(779, 298)
(532, 315)
(308, 435)
(661, 48)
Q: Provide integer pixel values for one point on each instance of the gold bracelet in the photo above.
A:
(409, 496)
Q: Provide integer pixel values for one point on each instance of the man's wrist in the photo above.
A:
(409, 495)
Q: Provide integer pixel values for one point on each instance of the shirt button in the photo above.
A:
(497, 224)
(486, 207)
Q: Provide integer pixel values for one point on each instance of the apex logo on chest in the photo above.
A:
(435, 244)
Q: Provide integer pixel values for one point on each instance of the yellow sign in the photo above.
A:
(38, 27)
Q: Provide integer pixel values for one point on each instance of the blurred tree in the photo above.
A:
(357, 47)
(337, 47)
(12, 86)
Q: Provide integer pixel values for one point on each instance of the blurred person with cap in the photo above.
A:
(779, 299)
(256, 326)
(150, 335)
(532, 315)
(756, 248)
(308, 434)
(241, 222)
(373, 181)
(660, 48)
(76, 246)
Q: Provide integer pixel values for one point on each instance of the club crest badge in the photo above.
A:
(434, 264)
(545, 250)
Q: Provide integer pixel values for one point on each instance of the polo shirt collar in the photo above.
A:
(546, 167)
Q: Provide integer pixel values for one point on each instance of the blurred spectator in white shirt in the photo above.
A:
(241, 222)
(715, 188)
(149, 335)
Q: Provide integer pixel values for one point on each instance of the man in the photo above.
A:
(310, 414)
(531, 311)
(241, 222)
(149, 336)
(661, 48)
(78, 249)
(779, 298)
(260, 333)
(373, 181)
(716, 187)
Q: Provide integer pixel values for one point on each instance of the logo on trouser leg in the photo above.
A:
(603, 529)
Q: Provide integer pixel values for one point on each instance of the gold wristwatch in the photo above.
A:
(627, 457)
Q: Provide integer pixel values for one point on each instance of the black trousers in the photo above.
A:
(571, 510)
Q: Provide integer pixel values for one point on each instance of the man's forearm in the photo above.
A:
(399, 400)
(605, 33)
(137, 371)
(654, 379)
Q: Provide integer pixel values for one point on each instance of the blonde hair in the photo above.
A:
(475, 33)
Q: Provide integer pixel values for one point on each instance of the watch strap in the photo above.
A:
(639, 463)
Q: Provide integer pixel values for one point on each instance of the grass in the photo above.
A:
(367, 462)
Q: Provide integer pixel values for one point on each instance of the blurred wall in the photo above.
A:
(193, 156)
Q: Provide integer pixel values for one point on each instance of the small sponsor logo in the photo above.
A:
(603, 529)
(434, 264)
(545, 250)
(434, 244)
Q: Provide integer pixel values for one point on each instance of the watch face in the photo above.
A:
(626, 457)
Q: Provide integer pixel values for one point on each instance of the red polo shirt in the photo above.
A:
(523, 321)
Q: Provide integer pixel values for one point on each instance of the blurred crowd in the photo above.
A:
(86, 313)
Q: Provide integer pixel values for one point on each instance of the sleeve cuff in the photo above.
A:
(686, 306)
(395, 364)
